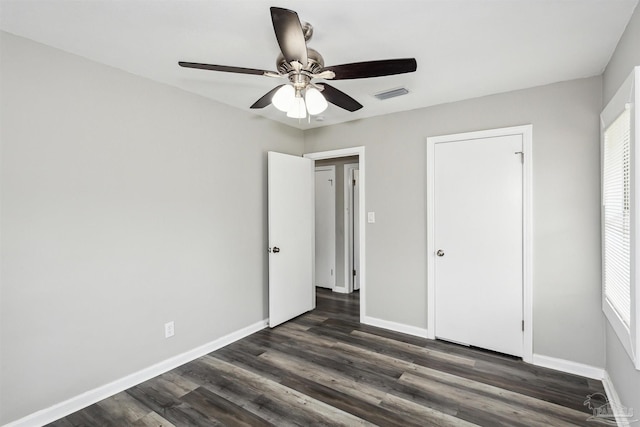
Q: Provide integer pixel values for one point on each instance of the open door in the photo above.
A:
(291, 236)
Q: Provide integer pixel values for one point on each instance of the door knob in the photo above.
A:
(440, 252)
(276, 249)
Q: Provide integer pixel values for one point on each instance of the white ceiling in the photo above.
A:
(464, 48)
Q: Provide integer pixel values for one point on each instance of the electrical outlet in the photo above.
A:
(169, 329)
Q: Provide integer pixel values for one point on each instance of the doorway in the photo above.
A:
(357, 154)
(325, 226)
(479, 201)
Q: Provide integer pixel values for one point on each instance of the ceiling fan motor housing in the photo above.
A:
(314, 65)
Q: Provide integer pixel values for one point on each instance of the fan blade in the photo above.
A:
(288, 29)
(339, 98)
(225, 68)
(362, 70)
(266, 99)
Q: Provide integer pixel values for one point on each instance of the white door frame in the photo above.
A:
(527, 197)
(348, 235)
(346, 152)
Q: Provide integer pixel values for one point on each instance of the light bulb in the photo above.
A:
(298, 110)
(316, 103)
(283, 98)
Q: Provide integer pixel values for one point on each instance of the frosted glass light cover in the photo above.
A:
(283, 98)
(316, 103)
(298, 110)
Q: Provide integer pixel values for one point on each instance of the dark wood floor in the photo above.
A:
(325, 368)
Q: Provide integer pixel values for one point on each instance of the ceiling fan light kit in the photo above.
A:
(298, 109)
(300, 64)
(290, 101)
(316, 103)
(283, 98)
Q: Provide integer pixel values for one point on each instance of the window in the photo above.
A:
(616, 191)
(620, 207)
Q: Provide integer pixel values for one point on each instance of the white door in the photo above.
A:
(356, 229)
(478, 239)
(325, 208)
(291, 230)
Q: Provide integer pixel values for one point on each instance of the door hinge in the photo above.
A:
(332, 271)
(523, 326)
(521, 155)
(354, 272)
(354, 182)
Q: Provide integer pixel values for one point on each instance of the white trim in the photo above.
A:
(617, 324)
(527, 243)
(348, 232)
(346, 152)
(340, 290)
(568, 366)
(431, 213)
(614, 399)
(627, 96)
(397, 327)
(527, 224)
(69, 406)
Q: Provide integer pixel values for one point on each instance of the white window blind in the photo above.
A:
(617, 216)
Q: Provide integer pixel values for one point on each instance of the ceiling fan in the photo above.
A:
(301, 65)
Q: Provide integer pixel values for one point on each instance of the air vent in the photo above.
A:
(391, 93)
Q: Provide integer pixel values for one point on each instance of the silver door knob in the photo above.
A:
(440, 252)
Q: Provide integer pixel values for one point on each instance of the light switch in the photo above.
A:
(371, 217)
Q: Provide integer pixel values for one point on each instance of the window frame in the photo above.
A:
(626, 97)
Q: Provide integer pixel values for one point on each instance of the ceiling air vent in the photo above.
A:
(391, 93)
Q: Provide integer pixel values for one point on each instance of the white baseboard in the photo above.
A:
(393, 326)
(568, 366)
(614, 399)
(341, 290)
(62, 409)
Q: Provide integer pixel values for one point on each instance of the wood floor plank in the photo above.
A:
(484, 391)
(218, 408)
(170, 408)
(352, 403)
(326, 368)
(241, 394)
(325, 377)
(418, 350)
(430, 417)
(92, 415)
(124, 409)
(319, 350)
(485, 407)
(526, 381)
(152, 420)
(320, 412)
(62, 422)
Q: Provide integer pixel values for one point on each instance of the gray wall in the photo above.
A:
(125, 204)
(340, 229)
(625, 57)
(625, 377)
(568, 323)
